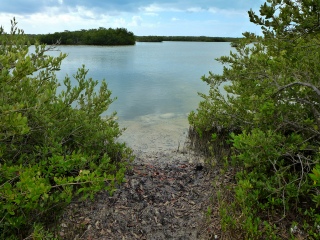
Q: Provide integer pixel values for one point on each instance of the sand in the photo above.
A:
(158, 137)
(152, 133)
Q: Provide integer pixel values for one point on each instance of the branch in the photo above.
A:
(79, 183)
(9, 181)
(314, 88)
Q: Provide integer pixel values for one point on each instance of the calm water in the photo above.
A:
(149, 78)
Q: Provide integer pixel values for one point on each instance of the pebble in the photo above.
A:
(163, 197)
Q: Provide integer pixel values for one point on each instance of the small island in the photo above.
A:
(100, 36)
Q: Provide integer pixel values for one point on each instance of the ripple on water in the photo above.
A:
(156, 132)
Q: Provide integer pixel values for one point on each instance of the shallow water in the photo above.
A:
(156, 85)
(154, 133)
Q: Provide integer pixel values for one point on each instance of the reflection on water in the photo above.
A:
(156, 84)
(149, 78)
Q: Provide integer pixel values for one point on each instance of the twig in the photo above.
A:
(314, 88)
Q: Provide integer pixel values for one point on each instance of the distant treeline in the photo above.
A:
(184, 38)
(119, 36)
(100, 36)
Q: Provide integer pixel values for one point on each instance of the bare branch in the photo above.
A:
(314, 88)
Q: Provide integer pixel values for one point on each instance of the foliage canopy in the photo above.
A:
(54, 145)
(100, 36)
(269, 119)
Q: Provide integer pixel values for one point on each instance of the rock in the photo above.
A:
(97, 225)
(63, 225)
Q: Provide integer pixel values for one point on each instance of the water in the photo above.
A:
(149, 78)
(156, 85)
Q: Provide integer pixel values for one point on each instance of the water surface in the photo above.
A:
(149, 78)
(156, 85)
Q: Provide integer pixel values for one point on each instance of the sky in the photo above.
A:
(215, 18)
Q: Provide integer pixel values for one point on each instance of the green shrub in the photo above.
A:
(54, 144)
(269, 120)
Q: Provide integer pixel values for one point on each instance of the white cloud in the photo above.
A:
(195, 9)
(119, 22)
(136, 21)
(84, 13)
(151, 14)
(154, 8)
(143, 17)
(81, 18)
(227, 12)
(151, 9)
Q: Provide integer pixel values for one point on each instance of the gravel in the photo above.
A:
(165, 196)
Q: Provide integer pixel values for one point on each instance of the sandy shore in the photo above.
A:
(159, 139)
(165, 195)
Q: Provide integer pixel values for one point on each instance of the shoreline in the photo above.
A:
(165, 194)
(155, 132)
(159, 139)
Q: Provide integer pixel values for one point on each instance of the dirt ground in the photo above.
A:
(165, 196)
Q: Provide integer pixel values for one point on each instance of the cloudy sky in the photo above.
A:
(225, 18)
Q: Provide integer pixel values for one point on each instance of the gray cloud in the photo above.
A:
(36, 6)
(25, 6)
